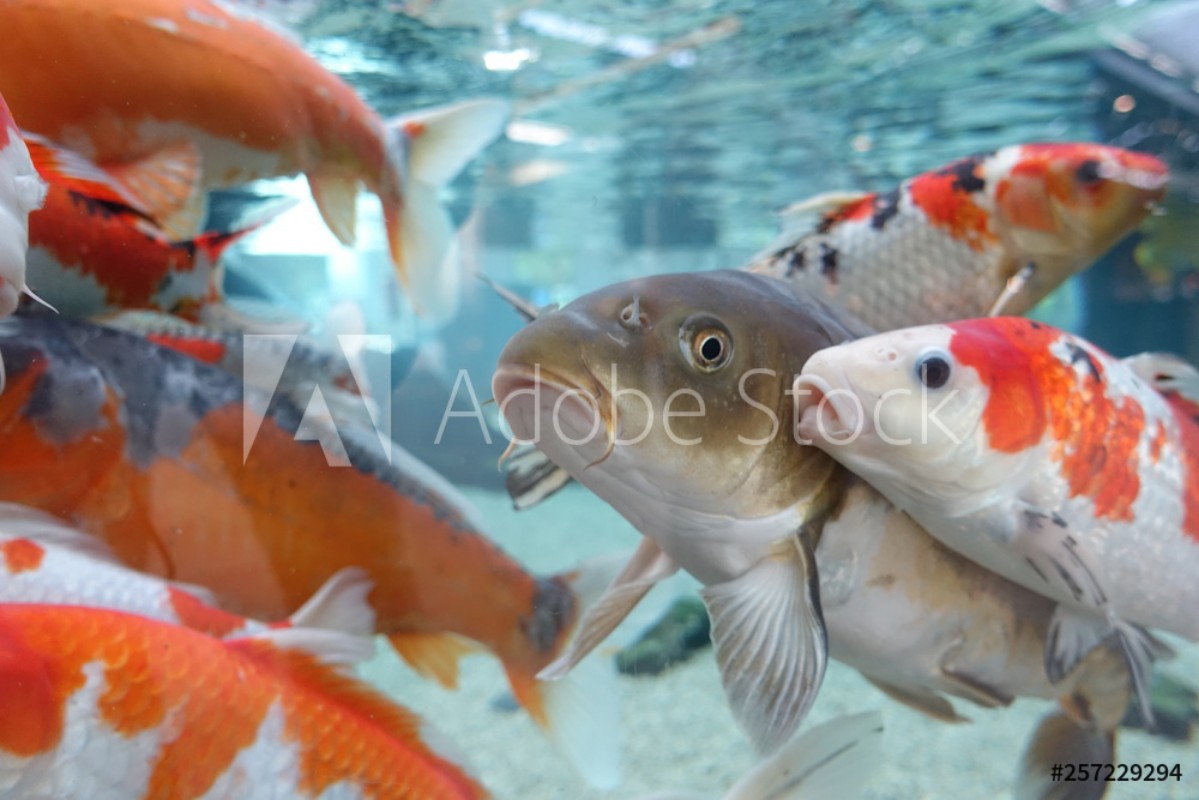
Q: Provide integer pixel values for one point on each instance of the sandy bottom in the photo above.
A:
(678, 733)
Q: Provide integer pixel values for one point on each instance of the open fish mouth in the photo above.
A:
(827, 414)
(570, 421)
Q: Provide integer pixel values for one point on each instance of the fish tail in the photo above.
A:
(426, 150)
(1060, 740)
(578, 712)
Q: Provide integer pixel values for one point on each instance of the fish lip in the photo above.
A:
(826, 414)
(509, 379)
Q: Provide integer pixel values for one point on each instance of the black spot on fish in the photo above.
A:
(828, 262)
(553, 609)
(886, 206)
(1088, 172)
(796, 260)
(965, 172)
(1079, 355)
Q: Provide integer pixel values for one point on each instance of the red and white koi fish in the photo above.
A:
(989, 233)
(21, 191)
(171, 82)
(1035, 454)
(104, 705)
(43, 560)
(95, 249)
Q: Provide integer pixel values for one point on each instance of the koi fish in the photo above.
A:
(94, 248)
(163, 83)
(45, 561)
(1035, 454)
(105, 704)
(186, 473)
(21, 192)
(671, 400)
(993, 232)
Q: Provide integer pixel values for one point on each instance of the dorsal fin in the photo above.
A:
(805, 215)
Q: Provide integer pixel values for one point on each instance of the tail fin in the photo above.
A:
(427, 150)
(1058, 740)
(832, 761)
(579, 712)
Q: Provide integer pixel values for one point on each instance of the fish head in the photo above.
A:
(21, 192)
(672, 391)
(1063, 205)
(904, 412)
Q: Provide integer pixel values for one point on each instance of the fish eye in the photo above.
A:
(709, 346)
(933, 370)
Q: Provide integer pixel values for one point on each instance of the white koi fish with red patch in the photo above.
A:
(43, 560)
(1035, 454)
(105, 705)
(21, 191)
(987, 233)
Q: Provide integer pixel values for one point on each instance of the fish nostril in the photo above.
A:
(632, 317)
(886, 353)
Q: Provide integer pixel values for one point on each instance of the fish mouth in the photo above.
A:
(827, 415)
(566, 419)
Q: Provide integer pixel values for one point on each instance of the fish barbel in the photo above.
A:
(148, 89)
(106, 705)
(148, 450)
(670, 398)
(1035, 454)
(993, 232)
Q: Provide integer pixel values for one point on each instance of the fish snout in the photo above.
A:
(826, 413)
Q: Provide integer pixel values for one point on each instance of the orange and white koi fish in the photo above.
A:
(21, 192)
(1035, 454)
(94, 248)
(104, 705)
(989, 233)
(160, 83)
(148, 450)
(42, 560)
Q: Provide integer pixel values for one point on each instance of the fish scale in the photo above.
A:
(945, 244)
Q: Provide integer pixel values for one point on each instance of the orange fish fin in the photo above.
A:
(167, 182)
(578, 711)
(76, 174)
(433, 655)
(1058, 740)
(336, 196)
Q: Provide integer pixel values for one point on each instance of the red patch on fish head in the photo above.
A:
(1034, 391)
(949, 198)
(22, 555)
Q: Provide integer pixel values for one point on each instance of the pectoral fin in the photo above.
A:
(924, 701)
(336, 196)
(531, 477)
(770, 641)
(1068, 566)
(1014, 286)
(647, 566)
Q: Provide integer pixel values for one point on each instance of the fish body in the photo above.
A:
(721, 489)
(944, 245)
(1033, 453)
(124, 83)
(21, 192)
(93, 250)
(149, 451)
(103, 704)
